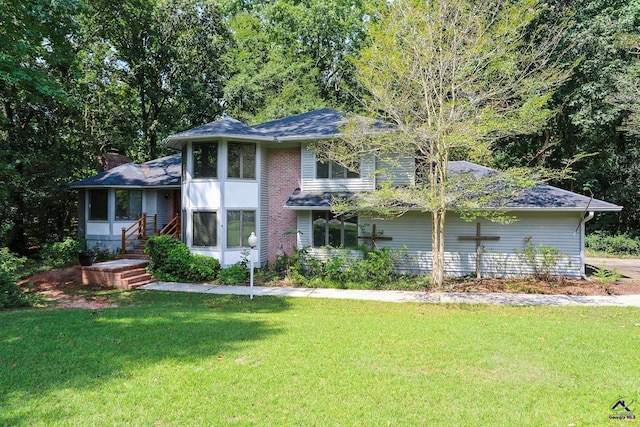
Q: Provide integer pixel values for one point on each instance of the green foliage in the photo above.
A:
(606, 276)
(171, 260)
(345, 269)
(11, 295)
(234, 274)
(620, 244)
(542, 259)
(60, 254)
(10, 262)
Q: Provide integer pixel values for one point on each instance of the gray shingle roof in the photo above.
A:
(323, 122)
(162, 172)
(543, 196)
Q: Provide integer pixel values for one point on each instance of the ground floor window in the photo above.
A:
(98, 203)
(240, 224)
(205, 229)
(128, 204)
(337, 232)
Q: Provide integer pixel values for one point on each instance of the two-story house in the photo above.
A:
(230, 179)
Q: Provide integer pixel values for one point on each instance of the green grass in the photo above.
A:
(165, 359)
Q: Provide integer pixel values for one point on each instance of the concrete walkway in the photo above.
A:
(404, 296)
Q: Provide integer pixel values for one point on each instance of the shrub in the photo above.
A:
(171, 260)
(12, 295)
(543, 259)
(10, 262)
(234, 274)
(60, 254)
(621, 244)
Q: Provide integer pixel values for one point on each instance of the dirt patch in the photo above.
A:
(63, 288)
(532, 286)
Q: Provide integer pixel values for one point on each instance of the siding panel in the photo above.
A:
(313, 185)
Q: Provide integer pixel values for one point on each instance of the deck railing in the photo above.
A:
(138, 230)
(172, 228)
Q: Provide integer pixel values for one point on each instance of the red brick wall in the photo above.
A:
(284, 177)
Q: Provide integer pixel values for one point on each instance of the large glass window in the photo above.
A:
(205, 230)
(337, 232)
(240, 224)
(128, 204)
(241, 160)
(98, 204)
(331, 169)
(205, 160)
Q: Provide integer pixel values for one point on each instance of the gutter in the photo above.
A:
(585, 219)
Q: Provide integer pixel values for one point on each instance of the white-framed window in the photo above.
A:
(128, 204)
(99, 205)
(332, 170)
(241, 160)
(334, 231)
(240, 224)
(205, 228)
(205, 159)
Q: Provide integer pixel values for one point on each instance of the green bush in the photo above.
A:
(170, 260)
(10, 262)
(60, 254)
(234, 274)
(621, 244)
(12, 295)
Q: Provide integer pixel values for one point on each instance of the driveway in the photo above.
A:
(628, 267)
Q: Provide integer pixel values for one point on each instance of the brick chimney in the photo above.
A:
(111, 160)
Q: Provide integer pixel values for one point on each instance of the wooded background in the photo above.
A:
(78, 79)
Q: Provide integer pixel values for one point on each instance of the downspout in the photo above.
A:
(585, 219)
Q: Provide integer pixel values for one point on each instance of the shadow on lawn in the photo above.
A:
(42, 351)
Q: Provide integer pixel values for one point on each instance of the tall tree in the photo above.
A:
(453, 76)
(291, 56)
(164, 54)
(37, 136)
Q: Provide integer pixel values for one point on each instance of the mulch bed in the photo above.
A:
(63, 288)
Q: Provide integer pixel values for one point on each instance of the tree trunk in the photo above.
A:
(437, 246)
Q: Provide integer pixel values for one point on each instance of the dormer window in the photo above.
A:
(332, 170)
(241, 160)
(205, 160)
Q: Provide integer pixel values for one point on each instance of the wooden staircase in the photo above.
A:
(138, 250)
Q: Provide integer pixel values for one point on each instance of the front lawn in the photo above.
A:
(165, 359)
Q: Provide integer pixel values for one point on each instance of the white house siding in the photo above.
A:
(411, 234)
(401, 172)
(314, 185)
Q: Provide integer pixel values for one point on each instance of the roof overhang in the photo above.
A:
(176, 142)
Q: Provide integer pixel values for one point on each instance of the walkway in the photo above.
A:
(404, 296)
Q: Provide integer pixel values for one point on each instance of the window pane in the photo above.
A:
(248, 161)
(204, 229)
(322, 169)
(233, 229)
(351, 232)
(248, 226)
(205, 160)
(335, 233)
(233, 160)
(98, 205)
(352, 174)
(122, 204)
(319, 228)
(337, 171)
(135, 203)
